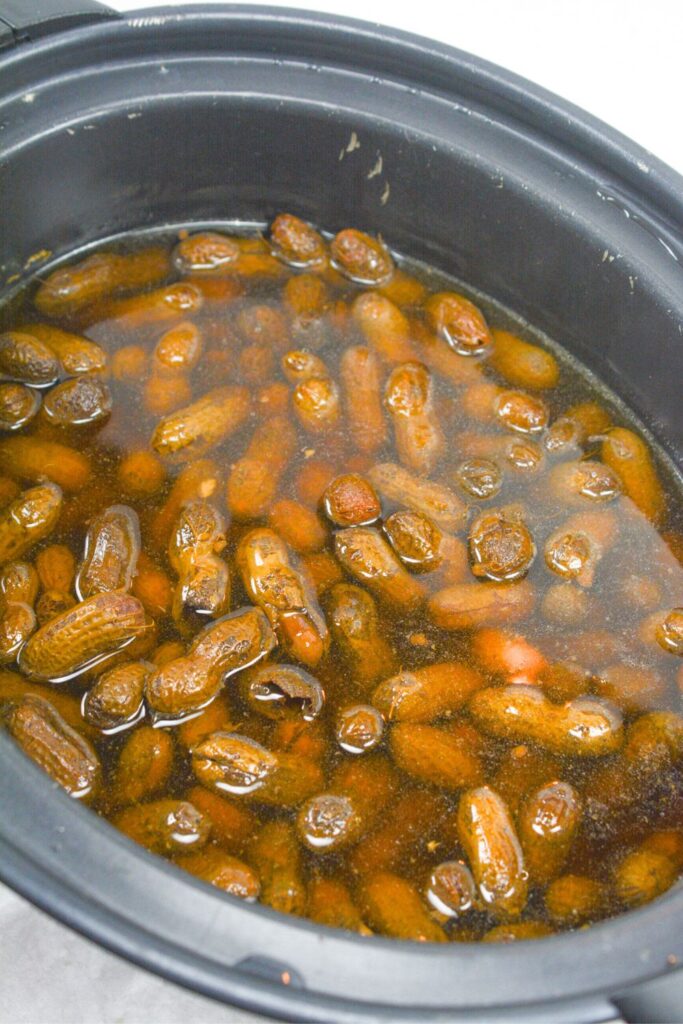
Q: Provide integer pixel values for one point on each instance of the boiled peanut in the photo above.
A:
(459, 322)
(385, 328)
(70, 288)
(232, 824)
(254, 479)
(393, 907)
(173, 302)
(18, 405)
(296, 243)
(275, 584)
(359, 728)
(34, 459)
(585, 727)
(330, 903)
(360, 379)
(192, 431)
(643, 875)
(442, 758)
(116, 700)
(418, 435)
(83, 636)
(275, 855)
(205, 252)
(76, 353)
(316, 404)
(629, 457)
(222, 871)
(165, 826)
(573, 899)
(282, 691)
(501, 546)
(364, 553)
(434, 500)
(360, 257)
(548, 822)
(451, 890)
(522, 364)
(45, 737)
(112, 546)
(577, 482)
(77, 402)
(489, 839)
(480, 478)
(350, 500)
(26, 360)
(353, 619)
(426, 693)
(27, 520)
(467, 605)
(298, 526)
(144, 766)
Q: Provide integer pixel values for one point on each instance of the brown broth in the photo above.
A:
(588, 628)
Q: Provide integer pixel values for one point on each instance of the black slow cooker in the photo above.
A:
(196, 115)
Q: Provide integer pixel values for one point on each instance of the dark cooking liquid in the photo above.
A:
(596, 638)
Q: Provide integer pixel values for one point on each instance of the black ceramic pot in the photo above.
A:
(207, 113)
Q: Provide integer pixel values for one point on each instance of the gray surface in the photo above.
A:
(50, 975)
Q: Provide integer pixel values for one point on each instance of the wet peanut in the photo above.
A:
(417, 541)
(296, 243)
(480, 478)
(34, 459)
(467, 605)
(192, 431)
(254, 479)
(306, 296)
(459, 322)
(437, 501)
(83, 636)
(26, 360)
(116, 700)
(501, 546)
(360, 257)
(282, 691)
(144, 766)
(631, 688)
(664, 628)
(364, 553)
(141, 474)
(548, 822)
(591, 418)
(442, 758)
(489, 839)
(643, 875)
(98, 276)
(451, 890)
(629, 457)
(206, 252)
(275, 855)
(232, 824)
(426, 694)
(385, 328)
(232, 763)
(174, 302)
(392, 906)
(80, 401)
(520, 412)
(76, 353)
(330, 903)
(353, 619)
(350, 500)
(574, 483)
(112, 546)
(508, 654)
(199, 479)
(299, 365)
(165, 826)
(298, 526)
(18, 405)
(517, 931)
(328, 822)
(316, 404)
(187, 684)
(654, 741)
(276, 585)
(45, 737)
(522, 364)
(409, 399)
(203, 588)
(28, 519)
(585, 727)
(359, 728)
(226, 873)
(573, 899)
(129, 364)
(361, 380)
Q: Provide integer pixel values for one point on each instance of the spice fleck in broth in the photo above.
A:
(323, 583)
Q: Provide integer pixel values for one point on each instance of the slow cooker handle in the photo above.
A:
(24, 20)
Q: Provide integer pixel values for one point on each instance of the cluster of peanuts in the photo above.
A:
(320, 587)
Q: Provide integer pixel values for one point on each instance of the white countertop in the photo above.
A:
(620, 60)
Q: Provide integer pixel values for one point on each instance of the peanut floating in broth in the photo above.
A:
(339, 588)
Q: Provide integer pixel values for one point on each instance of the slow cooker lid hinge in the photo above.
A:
(26, 20)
